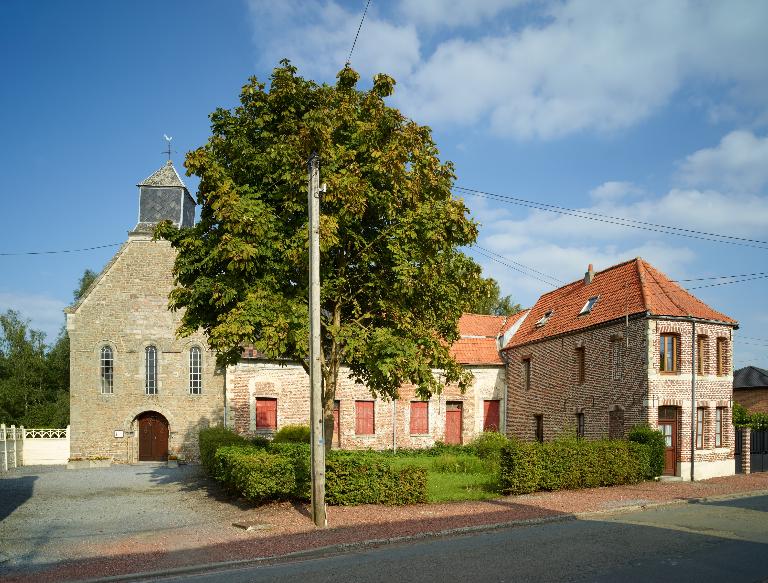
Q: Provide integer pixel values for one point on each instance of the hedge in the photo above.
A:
(210, 440)
(292, 434)
(256, 474)
(351, 479)
(654, 439)
(572, 463)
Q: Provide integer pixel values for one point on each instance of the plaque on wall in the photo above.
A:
(119, 433)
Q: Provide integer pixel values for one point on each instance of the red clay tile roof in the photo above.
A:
(480, 325)
(628, 288)
(477, 342)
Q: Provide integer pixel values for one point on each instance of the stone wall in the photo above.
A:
(126, 309)
(289, 384)
(754, 400)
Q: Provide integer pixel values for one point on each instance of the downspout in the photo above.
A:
(694, 420)
(394, 425)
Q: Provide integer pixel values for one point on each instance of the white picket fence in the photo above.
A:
(30, 447)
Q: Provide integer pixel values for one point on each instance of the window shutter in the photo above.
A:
(364, 421)
(266, 413)
(491, 415)
(419, 417)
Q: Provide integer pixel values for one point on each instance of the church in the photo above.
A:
(140, 393)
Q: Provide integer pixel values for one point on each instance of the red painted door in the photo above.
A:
(153, 437)
(491, 415)
(668, 427)
(453, 410)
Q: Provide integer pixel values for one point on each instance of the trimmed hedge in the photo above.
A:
(210, 440)
(256, 474)
(351, 480)
(572, 463)
(292, 434)
(654, 439)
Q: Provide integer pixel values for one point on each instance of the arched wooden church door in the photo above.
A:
(153, 437)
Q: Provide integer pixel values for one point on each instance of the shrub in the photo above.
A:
(520, 470)
(743, 418)
(255, 473)
(299, 454)
(212, 438)
(353, 479)
(292, 434)
(488, 446)
(571, 463)
(654, 439)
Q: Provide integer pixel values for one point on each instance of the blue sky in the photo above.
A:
(654, 111)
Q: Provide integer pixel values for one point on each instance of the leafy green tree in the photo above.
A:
(490, 301)
(88, 277)
(393, 280)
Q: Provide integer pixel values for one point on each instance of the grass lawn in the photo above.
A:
(453, 478)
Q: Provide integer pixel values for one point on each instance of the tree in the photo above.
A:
(393, 281)
(491, 301)
(86, 280)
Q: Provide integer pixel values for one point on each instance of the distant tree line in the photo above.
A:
(34, 376)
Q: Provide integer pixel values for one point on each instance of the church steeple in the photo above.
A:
(164, 196)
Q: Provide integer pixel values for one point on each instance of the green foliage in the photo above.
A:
(743, 418)
(571, 463)
(654, 439)
(488, 446)
(352, 479)
(256, 474)
(299, 454)
(86, 280)
(292, 434)
(210, 440)
(490, 301)
(460, 464)
(394, 279)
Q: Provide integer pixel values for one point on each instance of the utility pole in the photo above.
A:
(315, 373)
(694, 410)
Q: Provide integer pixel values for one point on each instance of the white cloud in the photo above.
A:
(316, 35)
(739, 163)
(614, 190)
(45, 313)
(453, 13)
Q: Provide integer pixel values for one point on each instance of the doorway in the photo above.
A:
(453, 422)
(668, 426)
(153, 437)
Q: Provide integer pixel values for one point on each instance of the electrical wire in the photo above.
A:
(349, 58)
(504, 257)
(619, 221)
(59, 251)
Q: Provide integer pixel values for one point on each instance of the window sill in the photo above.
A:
(420, 434)
(365, 435)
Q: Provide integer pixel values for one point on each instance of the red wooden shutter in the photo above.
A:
(266, 413)
(491, 415)
(364, 422)
(419, 417)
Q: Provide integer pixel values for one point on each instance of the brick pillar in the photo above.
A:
(745, 450)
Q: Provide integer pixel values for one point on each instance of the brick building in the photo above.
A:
(139, 393)
(750, 388)
(600, 355)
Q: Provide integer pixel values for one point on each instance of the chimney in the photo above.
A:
(589, 275)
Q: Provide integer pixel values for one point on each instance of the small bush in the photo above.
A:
(654, 439)
(352, 479)
(488, 446)
(292, 434)
(212, 438)
(299, 454)
(256, 474)
(521, 468)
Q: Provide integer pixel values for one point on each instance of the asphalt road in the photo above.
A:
(724, 540)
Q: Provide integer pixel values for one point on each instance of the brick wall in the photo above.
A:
(754, 400)
(556, 393)
(127, 310)
(290, 386)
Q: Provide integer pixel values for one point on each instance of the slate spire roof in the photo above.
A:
(166, 175)
(632, 287)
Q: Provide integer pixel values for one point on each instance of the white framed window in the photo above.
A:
(195, 370)
(150, 370)
(107, 366)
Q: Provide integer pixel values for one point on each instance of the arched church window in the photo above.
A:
(150, 370)
(195, 370)
(107, 370)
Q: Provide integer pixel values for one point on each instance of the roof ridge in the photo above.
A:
(641, 268)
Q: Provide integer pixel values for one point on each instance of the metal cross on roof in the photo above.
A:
(168, 151)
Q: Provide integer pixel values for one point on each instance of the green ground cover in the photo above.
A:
(454, 477)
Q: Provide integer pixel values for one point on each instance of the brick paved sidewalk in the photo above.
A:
(286, 528)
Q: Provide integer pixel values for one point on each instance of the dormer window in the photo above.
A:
(545, 318)
(589, 305)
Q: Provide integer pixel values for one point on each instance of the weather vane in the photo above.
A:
(168, 151)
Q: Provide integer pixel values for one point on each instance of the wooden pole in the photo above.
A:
(694, 410)
(315, 373)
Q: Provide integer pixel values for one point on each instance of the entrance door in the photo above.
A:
(153, 437)
(453, 411)
(668, 427)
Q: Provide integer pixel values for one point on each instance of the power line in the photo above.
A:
(620, 221)
(492, 258)
(59, 251)
(728, 282)
(553, 278)
(349, 58)
(721, 277)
